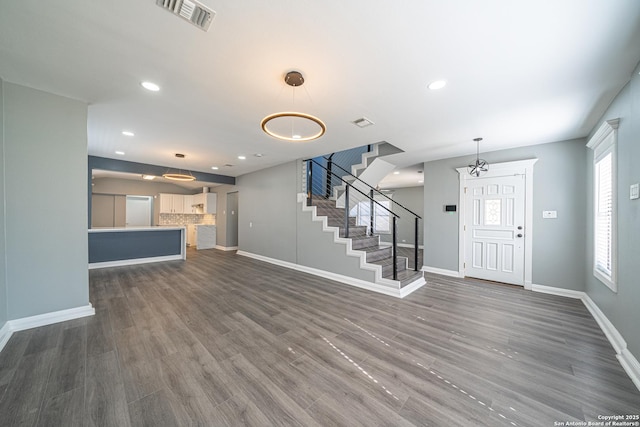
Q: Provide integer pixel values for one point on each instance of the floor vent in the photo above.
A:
(190, 10)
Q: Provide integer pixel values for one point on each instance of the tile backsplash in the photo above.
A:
(185, 219)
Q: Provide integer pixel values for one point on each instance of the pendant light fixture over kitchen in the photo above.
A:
(179, 174)
(480, 166)
(293, 126)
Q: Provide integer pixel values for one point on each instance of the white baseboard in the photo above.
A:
(42, 320)
(227, 248)
(631, 366)
(441, 271)
(616, 340)
(135, 261)
(412, 287)
(5, 334)
(558, 291)
(629, 363)
(363, 284)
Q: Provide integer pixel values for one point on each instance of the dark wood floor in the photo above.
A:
(226, 340)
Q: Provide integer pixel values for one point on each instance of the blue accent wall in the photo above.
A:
(122, 245)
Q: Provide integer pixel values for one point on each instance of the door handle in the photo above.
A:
(519, 227)
(519, 235)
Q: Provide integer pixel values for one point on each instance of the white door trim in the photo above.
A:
(520, 167)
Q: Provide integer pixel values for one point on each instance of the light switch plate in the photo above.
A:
(549, 214)
(634, 191)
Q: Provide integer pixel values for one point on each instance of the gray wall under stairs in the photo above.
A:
(269, 209)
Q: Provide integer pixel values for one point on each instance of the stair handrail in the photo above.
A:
(350, 185)
(378, 191)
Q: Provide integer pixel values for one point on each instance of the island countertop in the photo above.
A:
(141, 228)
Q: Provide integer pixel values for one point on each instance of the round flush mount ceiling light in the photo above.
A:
(128, 133)
(291, 125)
(438, 84)
(150, 86)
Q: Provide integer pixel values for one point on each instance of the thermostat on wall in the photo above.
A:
(450, 208)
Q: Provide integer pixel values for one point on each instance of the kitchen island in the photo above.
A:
(110, 247)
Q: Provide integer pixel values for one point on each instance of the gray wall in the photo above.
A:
(621, 308)
(267, 217)
(558, 184)
(411, 198)
(45, 138)
(3, 260)
(281, 230)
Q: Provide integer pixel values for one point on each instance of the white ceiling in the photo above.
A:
(518, 72)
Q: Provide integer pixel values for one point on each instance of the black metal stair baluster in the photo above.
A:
(371, 212)
(346, 211)
(329, 176)
(309, 182)
(395, 250)
(415, 249)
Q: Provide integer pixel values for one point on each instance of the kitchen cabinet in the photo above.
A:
(171, 203)
(198, 199)
(205, 236)
(188, 204)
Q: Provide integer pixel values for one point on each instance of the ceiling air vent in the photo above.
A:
(362, 122)
(193, 11)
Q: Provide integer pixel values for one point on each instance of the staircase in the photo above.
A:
(374, 253)
(358, 258)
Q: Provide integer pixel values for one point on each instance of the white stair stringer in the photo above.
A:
(372, 175)
(379, 283)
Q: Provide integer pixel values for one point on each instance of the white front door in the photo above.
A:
(494, 229)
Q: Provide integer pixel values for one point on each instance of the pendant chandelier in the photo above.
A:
(480, 166)
(179, 174)
(293, 126)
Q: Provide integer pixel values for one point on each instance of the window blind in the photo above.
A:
(604, 215)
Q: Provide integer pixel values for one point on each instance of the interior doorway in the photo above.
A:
(232, 220)
(138, 211)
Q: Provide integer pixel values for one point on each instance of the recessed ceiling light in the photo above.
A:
(120, 153)
(258, 155)
(128, 133)
(396, 173)
(150, 86)
(149, 177)
(215, 168)
(438, 84)
(241, 157)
